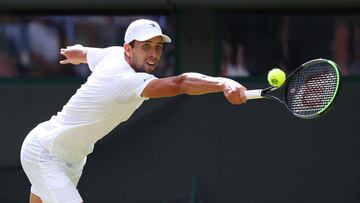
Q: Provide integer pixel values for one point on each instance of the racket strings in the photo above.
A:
(312, 88)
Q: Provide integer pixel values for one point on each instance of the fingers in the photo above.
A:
(238, 98)
(62, 51)
(243, 97)
(64, 61)
(77, 47)
(234, 92)
(236, 95)
(68, 49)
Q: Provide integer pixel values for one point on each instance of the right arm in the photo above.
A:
(78, 54)
(74, 54)
(195, 84)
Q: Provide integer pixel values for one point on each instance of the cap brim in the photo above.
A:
(166, 38)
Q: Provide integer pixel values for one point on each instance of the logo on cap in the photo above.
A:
(142, 30)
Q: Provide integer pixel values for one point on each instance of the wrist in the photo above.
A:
(84, 53)
(222, 83)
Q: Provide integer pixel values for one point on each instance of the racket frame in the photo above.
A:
(263, 93)
(334, 96)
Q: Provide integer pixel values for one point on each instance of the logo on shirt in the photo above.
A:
(145, 79)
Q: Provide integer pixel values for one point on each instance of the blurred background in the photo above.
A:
(245, 42)
(191, 149)
(31, 43)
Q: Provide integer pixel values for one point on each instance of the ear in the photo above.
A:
(127, 49)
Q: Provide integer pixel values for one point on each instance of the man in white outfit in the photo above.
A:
(54, 152)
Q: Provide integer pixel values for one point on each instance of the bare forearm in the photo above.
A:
(197, 84)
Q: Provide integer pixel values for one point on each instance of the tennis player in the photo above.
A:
(54, 152)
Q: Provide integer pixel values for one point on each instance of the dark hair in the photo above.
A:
(132, 44)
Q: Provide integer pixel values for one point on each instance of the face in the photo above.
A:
(145, 55)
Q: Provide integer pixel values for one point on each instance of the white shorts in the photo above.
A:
(52, 179)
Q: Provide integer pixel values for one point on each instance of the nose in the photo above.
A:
(153, 53)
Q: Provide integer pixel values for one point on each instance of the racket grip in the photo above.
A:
(253, 94)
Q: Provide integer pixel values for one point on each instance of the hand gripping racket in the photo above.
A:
(308, 92)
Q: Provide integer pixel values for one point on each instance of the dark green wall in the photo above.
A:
(185, 147)
(188, 4)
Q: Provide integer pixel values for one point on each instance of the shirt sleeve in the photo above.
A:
(95, 55)
(132, 86)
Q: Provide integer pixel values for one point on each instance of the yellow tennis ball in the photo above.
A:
(276, 77)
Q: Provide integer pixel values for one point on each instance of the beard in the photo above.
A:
(144, 67)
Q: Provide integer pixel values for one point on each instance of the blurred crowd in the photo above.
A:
(253, 44)
(30, 45)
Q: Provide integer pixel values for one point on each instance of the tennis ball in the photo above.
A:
(276, 77)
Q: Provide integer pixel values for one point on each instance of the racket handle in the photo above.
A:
(253, 94)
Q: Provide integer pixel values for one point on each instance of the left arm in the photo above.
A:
(195, 84)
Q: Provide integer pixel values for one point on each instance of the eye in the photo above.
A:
(146, 46)
(159, 47)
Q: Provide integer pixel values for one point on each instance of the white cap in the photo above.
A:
(142, 30)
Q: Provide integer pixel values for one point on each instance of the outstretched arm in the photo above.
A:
(74, 54)
(195, 84)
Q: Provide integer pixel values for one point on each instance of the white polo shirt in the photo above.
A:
(110, 96)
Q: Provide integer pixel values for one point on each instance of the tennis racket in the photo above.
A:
(308, 92)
